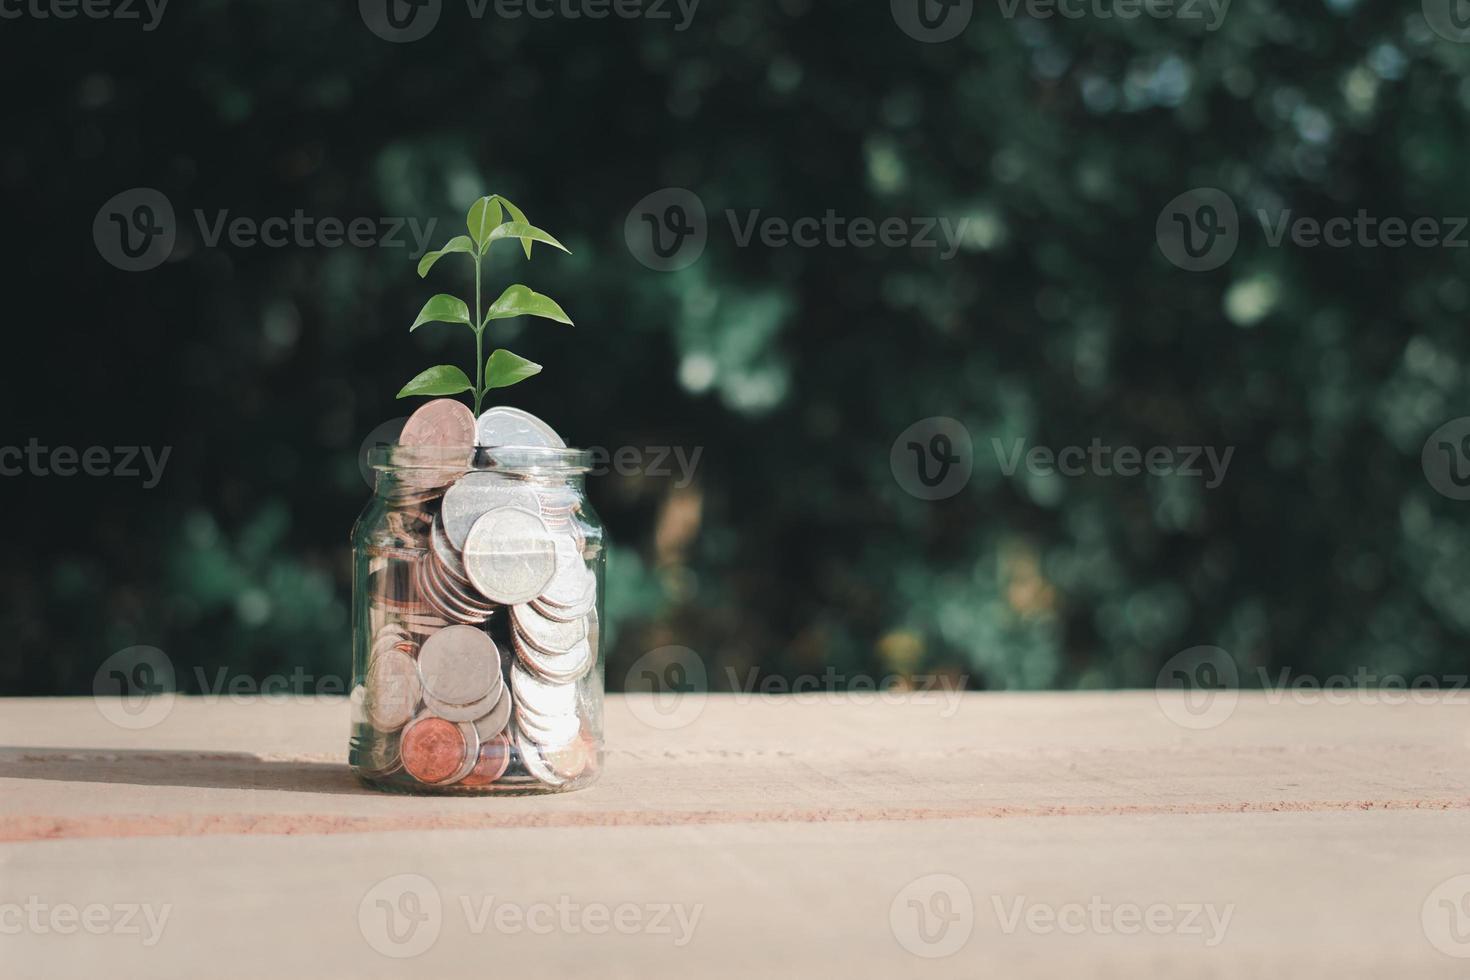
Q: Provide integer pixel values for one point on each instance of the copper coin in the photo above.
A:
(440, 423)
(493, 762)
(432, 749)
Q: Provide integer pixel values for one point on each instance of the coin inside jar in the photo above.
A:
(475, 494)
(392, 690)
(432, 749)
(548, 635)
(440, 427)
(459, 664)
(510, 555)
(502, 425)
(493, 762)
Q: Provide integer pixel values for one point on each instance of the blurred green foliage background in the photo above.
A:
(794, 369)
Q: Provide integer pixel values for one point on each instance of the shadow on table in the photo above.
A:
(208, 770)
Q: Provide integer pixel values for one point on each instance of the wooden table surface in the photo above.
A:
(980, 835)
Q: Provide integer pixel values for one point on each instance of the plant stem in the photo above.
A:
(479, 343)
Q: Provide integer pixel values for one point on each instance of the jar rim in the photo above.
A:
(567, 461)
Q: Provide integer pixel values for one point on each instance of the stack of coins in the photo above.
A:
(483, 619)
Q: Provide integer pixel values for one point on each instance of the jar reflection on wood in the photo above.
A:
(477, 604)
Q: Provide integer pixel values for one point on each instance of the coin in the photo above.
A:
(559, 668)
(560, 614)
(547, 635)
(446, 553)
(493, 762)
(466, 712)
(567, 760)
(510, 555)
(471, 753)
(377, 754)
(494, 723)
(506, 426)
(554, 730)
(459, 664)
(476, 493)
(393, 690)
(433, 749)
(573, 583)
(532, 759)
(441, 424)
(543, 698)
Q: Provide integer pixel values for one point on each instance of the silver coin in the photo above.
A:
(434, 597)
(476, 493)
(555, 730)
(534, 762)
(459, 664)
(556, 612)
(542, 697)
(446, 553)
(560, 668)
(547, 635)
(378, 753)
(393, 690)
(510, 555)
(492, 724)
(444, 596)
(574, 583)
(465, 712)
(506, 426)
(471, 752)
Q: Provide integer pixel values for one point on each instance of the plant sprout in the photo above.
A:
(502, 368)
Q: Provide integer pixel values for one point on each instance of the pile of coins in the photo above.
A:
(483, 619)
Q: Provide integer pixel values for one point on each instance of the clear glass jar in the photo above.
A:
(477, 595)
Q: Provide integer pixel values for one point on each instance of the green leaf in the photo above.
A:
(484, 215)
(519, 300)
(442, 308)
(458, 243)
(516, 214)
(526, 233)
(441, 379)
(504, 369)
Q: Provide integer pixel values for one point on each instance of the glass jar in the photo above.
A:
(476, 606)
